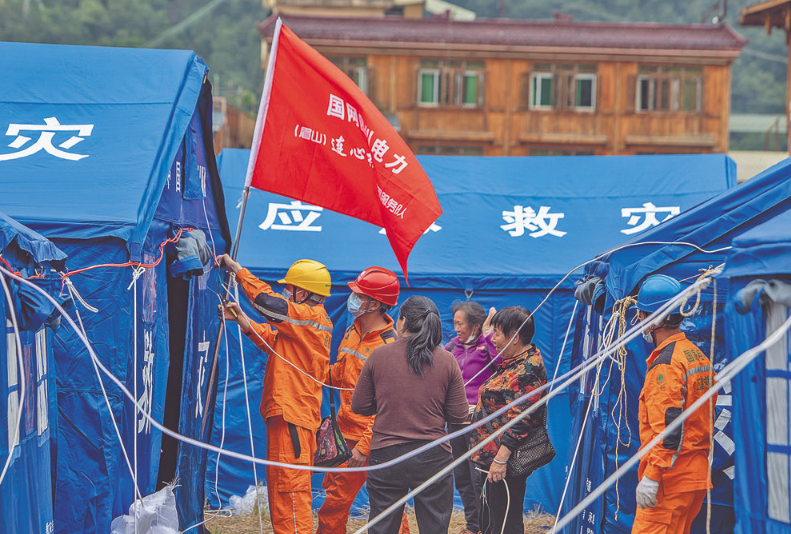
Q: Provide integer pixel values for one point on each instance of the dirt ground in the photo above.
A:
(535, 523)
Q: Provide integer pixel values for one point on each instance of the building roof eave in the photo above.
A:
(499, 50)
(511, 34)
(756, 15)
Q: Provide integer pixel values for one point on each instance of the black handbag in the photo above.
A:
(331, 447)
(535, 452)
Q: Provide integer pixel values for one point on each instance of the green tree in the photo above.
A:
(226, 37)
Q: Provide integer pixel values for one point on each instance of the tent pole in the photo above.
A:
(245, 196)
(214, 363)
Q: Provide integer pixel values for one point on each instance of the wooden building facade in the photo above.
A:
(503, 87)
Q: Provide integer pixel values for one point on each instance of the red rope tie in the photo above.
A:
(8, 266)
(173, 239)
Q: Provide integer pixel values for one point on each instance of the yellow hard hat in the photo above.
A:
(309, 275)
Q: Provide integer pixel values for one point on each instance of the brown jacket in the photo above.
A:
(407, 407)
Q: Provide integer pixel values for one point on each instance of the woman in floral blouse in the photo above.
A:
(520, 372)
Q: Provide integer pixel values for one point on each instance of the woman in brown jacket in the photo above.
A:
(414, 387)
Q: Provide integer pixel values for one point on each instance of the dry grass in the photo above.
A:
(536, 522)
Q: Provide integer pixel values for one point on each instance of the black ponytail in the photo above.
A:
(422, 322)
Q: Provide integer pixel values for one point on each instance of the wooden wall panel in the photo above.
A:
(615, 127)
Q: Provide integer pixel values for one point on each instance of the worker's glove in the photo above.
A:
(646, 493)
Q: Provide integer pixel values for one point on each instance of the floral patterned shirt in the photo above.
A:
(513, 378)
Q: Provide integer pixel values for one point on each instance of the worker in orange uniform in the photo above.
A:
(374, 293)
(296, 339)
(674, 475)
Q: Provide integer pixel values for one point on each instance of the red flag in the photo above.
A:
(319, 139)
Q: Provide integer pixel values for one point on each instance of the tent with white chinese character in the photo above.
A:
(511, 228)
(27, 389)
(109, 154)
(758, 277)
(684, 247)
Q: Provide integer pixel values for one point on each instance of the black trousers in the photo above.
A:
(504, 505)
(433, 506)
(468, 480)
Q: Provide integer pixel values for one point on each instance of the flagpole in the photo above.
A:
(254, 149)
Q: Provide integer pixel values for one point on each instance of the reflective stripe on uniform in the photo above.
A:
(353, 353)
(288, 319)
(695, 370)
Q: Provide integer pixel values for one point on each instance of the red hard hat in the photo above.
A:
(377, 283)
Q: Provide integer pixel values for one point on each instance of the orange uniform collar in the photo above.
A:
(390, 326)
(655, 353)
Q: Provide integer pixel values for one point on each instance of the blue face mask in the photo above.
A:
(286, 294)
(648, 337)
(353, 304)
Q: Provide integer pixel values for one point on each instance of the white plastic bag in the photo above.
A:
(246, 505)
(156, 514)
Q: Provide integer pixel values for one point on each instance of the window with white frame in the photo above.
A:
(585, 91)
(542, 85)
(450, 83)
(467, 92)
(560, 86)
(428, 87)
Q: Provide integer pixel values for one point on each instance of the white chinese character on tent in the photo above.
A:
(47, 133)
(648, 211)
(522, 219)
(203, 347)
(144, 424)
(295, 216)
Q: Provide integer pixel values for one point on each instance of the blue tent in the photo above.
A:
(108, 153)
(510, 229)
(712, 226)
(26, 491)
(758, 274)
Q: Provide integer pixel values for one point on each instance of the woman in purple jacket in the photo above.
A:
(473, 349)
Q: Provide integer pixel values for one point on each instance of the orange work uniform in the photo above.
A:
(342, 488)
(678, 375)
(291, 401)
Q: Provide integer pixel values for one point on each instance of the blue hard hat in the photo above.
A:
(656, 291)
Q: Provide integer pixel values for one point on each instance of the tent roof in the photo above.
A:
(468, 247)
(711, 225)
(763, 250)
(119, 114)
(37, 248)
